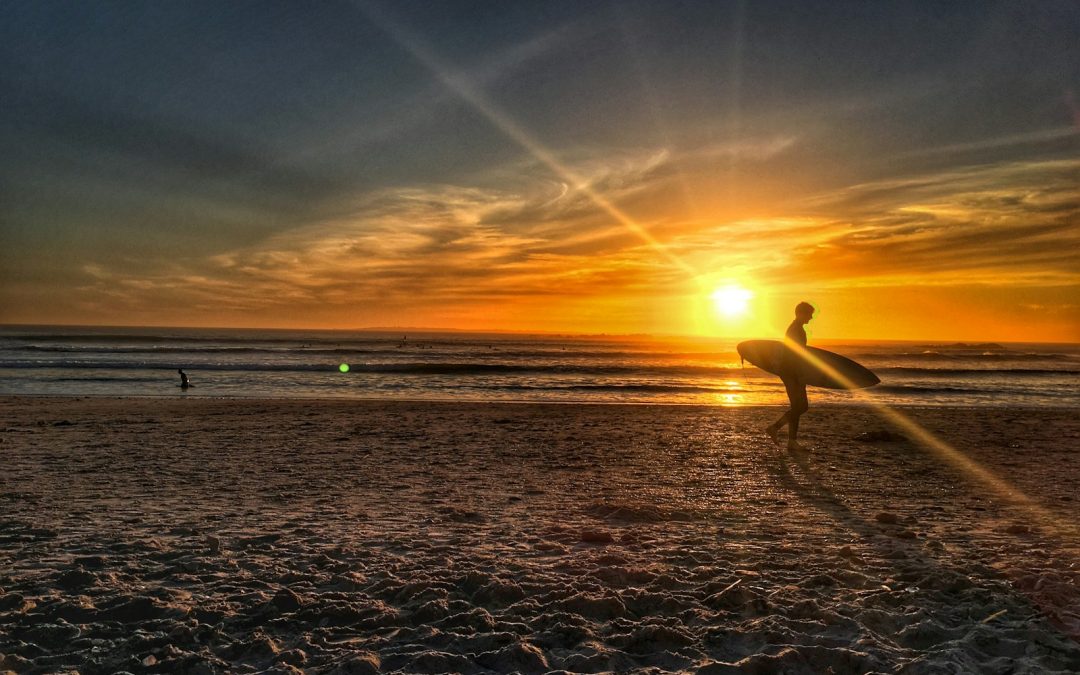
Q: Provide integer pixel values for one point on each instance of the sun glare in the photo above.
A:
(732, 301)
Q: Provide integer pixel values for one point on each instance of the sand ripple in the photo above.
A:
(345, 537)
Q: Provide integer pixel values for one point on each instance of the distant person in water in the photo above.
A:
(184, 382)
(795, 338)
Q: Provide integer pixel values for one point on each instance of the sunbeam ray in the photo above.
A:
(475, 98)
(953, 456)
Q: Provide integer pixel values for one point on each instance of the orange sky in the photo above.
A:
(958, 257)
(415, 178)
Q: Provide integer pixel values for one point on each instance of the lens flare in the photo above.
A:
(945, 451)
(473, 96)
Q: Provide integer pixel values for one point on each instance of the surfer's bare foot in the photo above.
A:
(774, 433)
(792, 446)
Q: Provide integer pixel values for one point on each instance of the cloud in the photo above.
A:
(416, 248)
(92, 141)
(561, 205)
(448, 250)
(757, 149)
(69, 146)
(1010, 223)
(1008, 142)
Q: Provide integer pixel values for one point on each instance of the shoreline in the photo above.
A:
(480, 402)
(239, 535)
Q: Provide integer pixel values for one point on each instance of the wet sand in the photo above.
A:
(206, 536)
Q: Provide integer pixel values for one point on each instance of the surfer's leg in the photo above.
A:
(773, 430)
(793, 430)
(799, 405)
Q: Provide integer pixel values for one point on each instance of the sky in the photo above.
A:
(910, 168)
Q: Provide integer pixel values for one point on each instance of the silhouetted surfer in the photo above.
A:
(796, 388)
(184, 382)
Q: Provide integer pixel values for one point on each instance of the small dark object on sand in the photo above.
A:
(879, 436)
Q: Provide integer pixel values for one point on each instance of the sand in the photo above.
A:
(206, 536)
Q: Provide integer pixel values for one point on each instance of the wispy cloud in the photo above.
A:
(439, 250)
(1009, 141)
(752, 149)
(1013, 223)
(411, 249)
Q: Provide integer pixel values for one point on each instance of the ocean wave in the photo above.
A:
(641, 388)
(107, 379)
(989, 357)
(398, 368)
(988, 372)
(141, 338)
(996, 392)
(658, 370)
(180, 351)
(387, 348)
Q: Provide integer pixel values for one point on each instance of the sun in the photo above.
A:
(732, 301)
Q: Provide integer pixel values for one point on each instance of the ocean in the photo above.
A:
(74, 361)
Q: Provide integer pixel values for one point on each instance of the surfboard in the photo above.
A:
(821, 368)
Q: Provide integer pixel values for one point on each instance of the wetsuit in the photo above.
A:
(796, 388)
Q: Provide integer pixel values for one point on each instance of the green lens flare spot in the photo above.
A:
(343, 367)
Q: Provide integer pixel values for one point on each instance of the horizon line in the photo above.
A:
(497, 331)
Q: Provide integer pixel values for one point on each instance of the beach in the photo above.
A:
(206, 535)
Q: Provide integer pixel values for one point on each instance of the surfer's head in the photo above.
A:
(804, 311)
